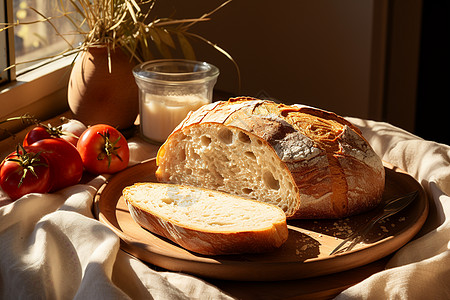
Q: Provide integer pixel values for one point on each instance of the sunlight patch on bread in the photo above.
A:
(214, 156)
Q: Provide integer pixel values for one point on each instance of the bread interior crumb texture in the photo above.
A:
(231, 160)
(204, 209)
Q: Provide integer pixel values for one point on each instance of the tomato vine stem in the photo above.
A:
(28, 161)
(109, 148)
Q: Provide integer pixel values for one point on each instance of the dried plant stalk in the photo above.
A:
(125, 24)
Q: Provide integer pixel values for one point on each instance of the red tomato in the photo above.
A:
(70, 131)
(66, 166)
(36, 134)
(103, 149)
(24, 171)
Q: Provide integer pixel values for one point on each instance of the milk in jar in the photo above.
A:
(164, 113)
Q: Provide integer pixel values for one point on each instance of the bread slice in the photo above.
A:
(309, 162)
(205, 221)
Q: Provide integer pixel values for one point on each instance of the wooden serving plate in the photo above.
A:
(305, 254)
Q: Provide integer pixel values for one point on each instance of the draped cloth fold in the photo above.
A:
(420, 269)
(52, 247)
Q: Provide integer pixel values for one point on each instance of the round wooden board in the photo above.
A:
(304, 255)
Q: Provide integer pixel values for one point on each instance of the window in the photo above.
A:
(37, 87)
(38, 39)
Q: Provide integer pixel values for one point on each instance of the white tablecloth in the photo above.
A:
(51, 247)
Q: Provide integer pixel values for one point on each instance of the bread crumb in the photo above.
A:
(384, 228)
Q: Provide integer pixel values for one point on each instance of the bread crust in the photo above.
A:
(335, 169)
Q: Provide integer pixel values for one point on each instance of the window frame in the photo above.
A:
(7, 57)
(41, 91)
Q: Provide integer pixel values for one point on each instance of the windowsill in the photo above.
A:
(41, 93)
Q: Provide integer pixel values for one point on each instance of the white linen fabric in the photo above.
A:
(51, 246)
(420, 269)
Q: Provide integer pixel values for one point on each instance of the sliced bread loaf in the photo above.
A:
(205, 221)
(309, 162)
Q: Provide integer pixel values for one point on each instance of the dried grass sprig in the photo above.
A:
(215, 46)
(127, 24)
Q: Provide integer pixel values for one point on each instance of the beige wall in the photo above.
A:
(312, 52)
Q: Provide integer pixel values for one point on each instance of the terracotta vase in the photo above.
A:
(96, 95)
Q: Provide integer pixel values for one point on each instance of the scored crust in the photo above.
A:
(320, 165)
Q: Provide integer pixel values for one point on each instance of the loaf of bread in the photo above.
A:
(205, 221)
(309, 162)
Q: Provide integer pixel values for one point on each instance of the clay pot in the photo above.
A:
(97, 96)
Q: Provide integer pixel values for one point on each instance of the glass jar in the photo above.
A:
(168, 90)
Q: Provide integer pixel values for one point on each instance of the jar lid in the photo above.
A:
(175, 71)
